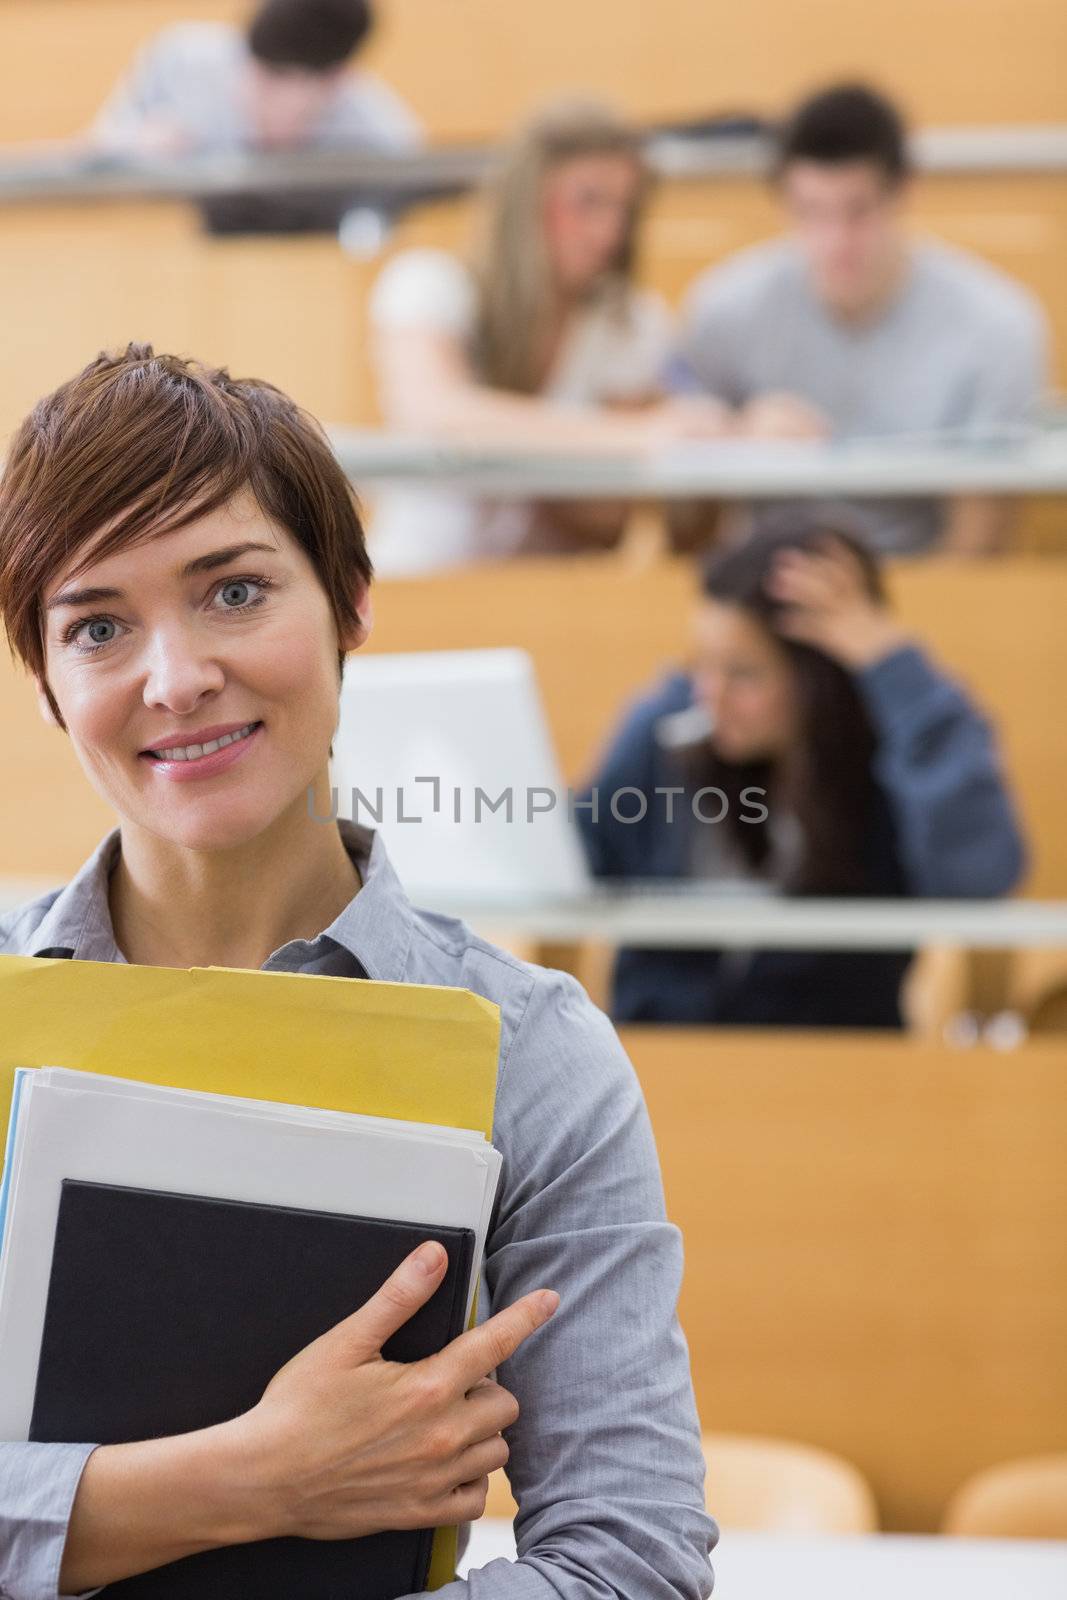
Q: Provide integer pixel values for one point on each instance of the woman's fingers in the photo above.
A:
(479, 1460)
(489, 1409)
(467, 1503)
(360, 1337)
(800, 626)
(800, 586)
(477, 1353)
(826, 578)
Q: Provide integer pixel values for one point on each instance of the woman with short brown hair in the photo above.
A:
(182, 570)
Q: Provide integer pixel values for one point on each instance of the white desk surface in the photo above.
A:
(691, 921)
(1026, 462)
(704, 921)
(778, 1566)
(62, 175)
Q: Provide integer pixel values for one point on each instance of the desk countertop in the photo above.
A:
(766, 1566)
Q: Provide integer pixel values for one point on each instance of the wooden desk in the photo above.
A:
(1022, 463)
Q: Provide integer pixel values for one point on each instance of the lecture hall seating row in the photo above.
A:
(997, 625)
(293, 309)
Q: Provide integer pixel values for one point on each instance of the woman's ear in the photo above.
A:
(359, 632)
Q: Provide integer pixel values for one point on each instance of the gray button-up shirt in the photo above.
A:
(605, 1458)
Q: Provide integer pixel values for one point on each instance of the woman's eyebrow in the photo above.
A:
(205, 563)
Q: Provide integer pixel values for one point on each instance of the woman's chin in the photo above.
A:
(214, 828)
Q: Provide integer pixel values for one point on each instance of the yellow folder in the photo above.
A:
(417, 1052)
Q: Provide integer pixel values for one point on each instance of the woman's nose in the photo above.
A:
(179, 671)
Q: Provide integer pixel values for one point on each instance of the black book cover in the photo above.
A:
(168, 1312)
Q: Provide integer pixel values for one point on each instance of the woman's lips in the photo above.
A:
(204, 766)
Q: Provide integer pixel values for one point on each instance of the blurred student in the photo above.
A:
(540, 341)
(850, 327)
(832, 757)
(283, 83)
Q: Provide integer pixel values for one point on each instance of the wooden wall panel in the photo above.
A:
(876, 1246)
(470, 67)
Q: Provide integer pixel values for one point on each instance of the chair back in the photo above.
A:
(1024, 1499)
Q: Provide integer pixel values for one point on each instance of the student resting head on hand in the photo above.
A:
(815, 750)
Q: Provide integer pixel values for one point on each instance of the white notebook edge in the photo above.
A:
(129, 1101)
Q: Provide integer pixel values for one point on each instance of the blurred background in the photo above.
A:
(709, 361)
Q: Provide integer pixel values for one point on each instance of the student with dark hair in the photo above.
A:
(282, 83)
(812, 749)
(851, 327)
(847, 123)
(182, 572)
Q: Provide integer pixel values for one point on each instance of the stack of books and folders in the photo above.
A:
(166, 1247)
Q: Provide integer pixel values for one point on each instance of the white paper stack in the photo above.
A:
(81, 1125)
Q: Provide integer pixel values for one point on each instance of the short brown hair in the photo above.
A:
(144, 444)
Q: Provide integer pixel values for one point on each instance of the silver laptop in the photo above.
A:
(448, 754)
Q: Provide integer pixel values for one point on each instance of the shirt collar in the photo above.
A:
(375, 927)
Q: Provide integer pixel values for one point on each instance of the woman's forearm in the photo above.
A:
(141, 1505)
(474, 412)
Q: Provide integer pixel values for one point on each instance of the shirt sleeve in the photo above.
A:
(703, 358)
(1014, 369)
(370, 115)
(38, 1483)
(937, 763)
(606, 1464)
(424, 289)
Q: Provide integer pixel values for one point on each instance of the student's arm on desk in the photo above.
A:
(426, 387)
(605, 1463)
(139, 116)
(422, 312)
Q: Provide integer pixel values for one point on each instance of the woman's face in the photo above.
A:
(587, 204)
(743, 677)
(203, 638)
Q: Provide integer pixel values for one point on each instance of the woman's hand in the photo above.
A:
(828, 607)
(779, 415)
(345, 1443)
(680, 417)
(341, 1444)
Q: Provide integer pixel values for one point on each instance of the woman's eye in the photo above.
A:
(240, 592)
(93, 630)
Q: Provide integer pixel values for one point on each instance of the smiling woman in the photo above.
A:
(209, 581)
(182, 570)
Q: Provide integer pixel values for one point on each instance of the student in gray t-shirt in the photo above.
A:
(849, 327)
(282, 83)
